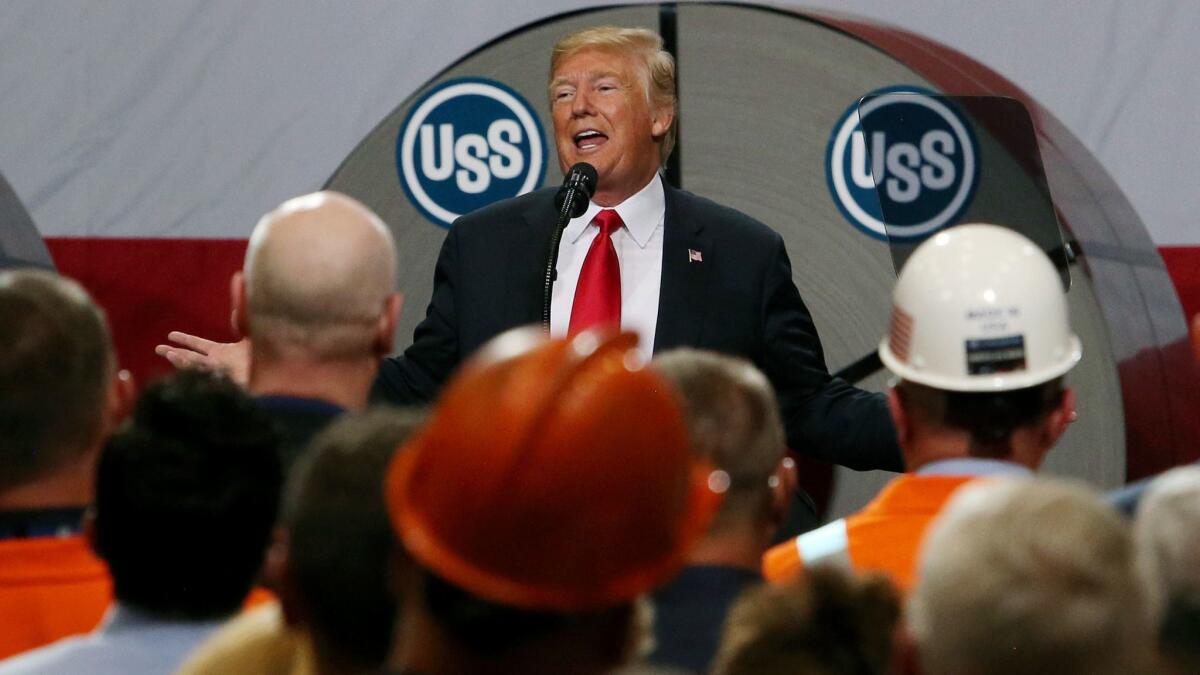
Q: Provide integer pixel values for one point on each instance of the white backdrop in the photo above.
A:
(190, 118)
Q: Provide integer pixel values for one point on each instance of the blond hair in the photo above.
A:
(824, 622)
(657, 67)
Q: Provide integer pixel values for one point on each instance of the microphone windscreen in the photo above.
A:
(578, 184)
(584, 175)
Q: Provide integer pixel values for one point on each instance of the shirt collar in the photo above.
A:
(280, 402)
(642, 213)
(53, 522)
(973, 466)
(121, 617)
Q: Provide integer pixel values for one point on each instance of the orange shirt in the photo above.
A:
(50, 587)
(883, 537)
(53, 587)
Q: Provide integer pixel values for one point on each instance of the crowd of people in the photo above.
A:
(580, 500)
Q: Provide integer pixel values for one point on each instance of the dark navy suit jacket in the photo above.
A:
(738, 299)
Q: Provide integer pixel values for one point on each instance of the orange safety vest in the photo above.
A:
(50, 587)
(885, 536)
(54, 587)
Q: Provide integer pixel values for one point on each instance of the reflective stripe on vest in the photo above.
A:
(828, 544)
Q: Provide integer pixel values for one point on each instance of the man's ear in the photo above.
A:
(783, 486)
(385, 330)
(238, 318)
(1059, 419)
(88, 530)
(660, 121)
(121, 397)
(1196, 336)
(278, 575)
(906, 659)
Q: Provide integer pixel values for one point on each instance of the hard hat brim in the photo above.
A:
(421, 539)
(982, 383)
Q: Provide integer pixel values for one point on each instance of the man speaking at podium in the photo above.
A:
(677, 269)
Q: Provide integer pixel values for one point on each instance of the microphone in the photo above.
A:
(577, 188)
(570, 202)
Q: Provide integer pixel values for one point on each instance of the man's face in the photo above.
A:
(602, 117)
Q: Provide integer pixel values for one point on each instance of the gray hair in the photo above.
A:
(1025, 576)
(733, 421)
(1167, 532)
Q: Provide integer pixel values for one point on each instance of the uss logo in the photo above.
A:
(465, 144)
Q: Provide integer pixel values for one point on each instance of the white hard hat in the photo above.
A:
(979, 308)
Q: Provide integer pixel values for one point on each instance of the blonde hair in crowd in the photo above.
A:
(824, 622)
(1029, 576)
(656, 65)
(733, 420)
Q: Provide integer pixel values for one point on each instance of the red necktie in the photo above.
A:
(598, 293)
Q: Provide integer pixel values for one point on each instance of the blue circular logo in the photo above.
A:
(467, 143)
(920, 152)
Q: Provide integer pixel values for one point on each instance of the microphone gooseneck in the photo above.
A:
(571, 202)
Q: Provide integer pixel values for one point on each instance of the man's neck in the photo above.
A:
(608, 195)
(72, 486)
(741, 549)
(423, 647)
(346, 384)
(928, 450)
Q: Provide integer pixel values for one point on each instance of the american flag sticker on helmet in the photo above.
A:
(900, 333)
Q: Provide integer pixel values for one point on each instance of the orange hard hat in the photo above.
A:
(553, 475)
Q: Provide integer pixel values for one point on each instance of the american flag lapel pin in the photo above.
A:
(694, 256)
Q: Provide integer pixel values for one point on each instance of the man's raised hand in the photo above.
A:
(190, 351)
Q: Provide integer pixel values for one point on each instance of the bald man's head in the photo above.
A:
(319, 277)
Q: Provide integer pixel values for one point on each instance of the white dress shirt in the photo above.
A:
(639, 248)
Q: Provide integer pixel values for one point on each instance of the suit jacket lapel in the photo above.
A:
(526, 260)
(687, 259)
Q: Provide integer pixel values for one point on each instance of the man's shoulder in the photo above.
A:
(689, 206)
(23, 561)
(70, 654)
(531, 204)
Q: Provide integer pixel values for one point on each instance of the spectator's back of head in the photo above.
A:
(340, 540)
(1167, 532)
(826, 622)
(319, 279)
(56, 368)
(1028, 576)
(733, 421)
(186, 495)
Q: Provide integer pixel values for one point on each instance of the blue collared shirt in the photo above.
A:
(127, 641)
(973, 466)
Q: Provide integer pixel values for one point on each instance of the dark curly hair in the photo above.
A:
(186, 496)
